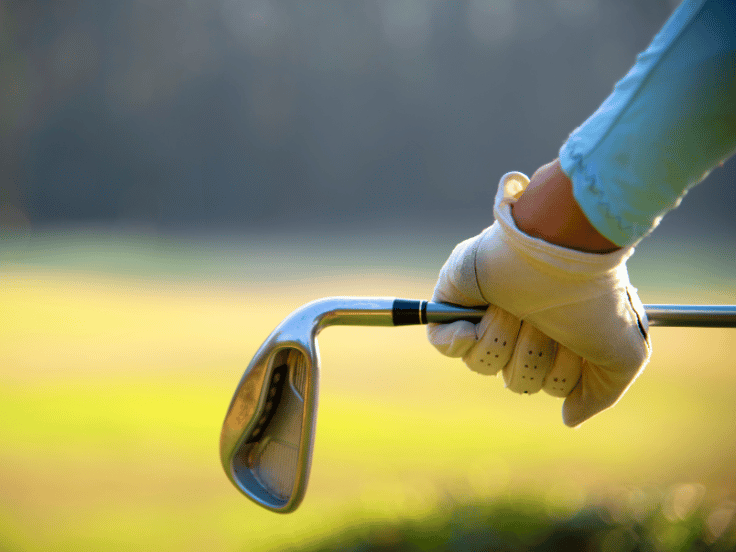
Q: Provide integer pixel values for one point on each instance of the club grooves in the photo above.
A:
(275, 390)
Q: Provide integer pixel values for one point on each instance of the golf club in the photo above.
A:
(268, 433)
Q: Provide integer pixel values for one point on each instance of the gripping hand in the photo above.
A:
(565, 321)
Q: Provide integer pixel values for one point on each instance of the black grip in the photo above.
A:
(407, 312)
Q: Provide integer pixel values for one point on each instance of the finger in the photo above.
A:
(564, 374)
(454, 339)
(497, 332)
(530, 362)
(599, 388)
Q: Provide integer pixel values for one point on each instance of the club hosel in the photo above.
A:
(348, 311)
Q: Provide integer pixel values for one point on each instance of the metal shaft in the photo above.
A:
(703, 316)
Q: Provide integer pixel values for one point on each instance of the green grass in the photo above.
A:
(114, 382)
(529, 524)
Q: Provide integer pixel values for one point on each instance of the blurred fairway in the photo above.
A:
(119, 355)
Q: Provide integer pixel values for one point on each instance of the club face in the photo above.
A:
(267, 437)
(268, 434)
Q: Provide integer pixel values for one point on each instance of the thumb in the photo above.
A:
(457, 282)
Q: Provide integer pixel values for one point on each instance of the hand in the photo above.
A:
(559, 319)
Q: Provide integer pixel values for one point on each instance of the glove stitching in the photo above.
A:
(476, 245)
(638, 318)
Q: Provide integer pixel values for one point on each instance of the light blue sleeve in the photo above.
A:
(664, 127)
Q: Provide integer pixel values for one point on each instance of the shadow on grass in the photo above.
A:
(676, 520)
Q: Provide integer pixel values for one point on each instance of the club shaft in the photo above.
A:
(704, 316)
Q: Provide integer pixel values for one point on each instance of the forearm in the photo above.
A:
(668, 122)
(547, 210)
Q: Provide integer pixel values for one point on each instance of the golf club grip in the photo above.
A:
(412, 312)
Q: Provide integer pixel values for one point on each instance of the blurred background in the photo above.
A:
(176, 177)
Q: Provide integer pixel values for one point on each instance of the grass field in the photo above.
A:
(118, 358)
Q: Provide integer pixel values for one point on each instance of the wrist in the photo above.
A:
(547, 210)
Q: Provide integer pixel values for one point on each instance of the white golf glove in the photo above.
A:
(561, 320)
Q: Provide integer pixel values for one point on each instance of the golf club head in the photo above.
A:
(268, 434)
(267, 437)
